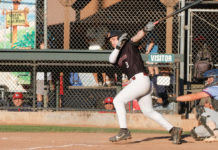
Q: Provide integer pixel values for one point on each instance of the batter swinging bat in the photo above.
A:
(178, 11)
(192, 97)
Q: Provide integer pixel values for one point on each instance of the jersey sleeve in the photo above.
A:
(212, 91)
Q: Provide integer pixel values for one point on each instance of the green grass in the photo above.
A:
(29, 128)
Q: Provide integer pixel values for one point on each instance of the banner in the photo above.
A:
(16, 18)
(17, 24)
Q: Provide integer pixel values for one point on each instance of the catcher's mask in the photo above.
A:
(212, 73)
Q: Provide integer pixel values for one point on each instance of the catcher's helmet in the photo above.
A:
(18, 95)
(211, 73)
(108, 100)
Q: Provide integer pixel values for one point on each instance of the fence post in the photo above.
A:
(34, 85)
(57, 94)
(45, 25)
(177, 84)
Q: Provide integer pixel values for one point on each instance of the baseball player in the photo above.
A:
(108, 103)
(18, 99)
(126, 55)
(207, 115)
(18, 102)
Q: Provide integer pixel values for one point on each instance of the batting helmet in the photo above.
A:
(18, 95)
(114, 33)
(108, 100)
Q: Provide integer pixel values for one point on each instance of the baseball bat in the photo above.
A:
(192, 97)
(178, 11)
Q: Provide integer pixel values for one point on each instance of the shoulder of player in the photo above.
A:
(211, 88)
(130, 42)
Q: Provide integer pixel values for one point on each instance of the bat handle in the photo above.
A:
(156, 22)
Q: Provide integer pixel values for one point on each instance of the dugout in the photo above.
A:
(56, 61)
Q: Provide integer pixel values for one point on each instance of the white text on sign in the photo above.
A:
(162, 58)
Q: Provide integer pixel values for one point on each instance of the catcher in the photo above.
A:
(207, 114)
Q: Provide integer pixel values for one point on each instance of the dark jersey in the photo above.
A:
(130, 60)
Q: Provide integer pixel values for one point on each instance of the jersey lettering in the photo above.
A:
(127, 65)
(121, 60)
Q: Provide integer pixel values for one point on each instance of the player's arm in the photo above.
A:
(192, 97)
(113, 56)
(121, 41)
(140, 34)
(136, 38)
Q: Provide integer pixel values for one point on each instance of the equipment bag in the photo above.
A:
(201, 66)
(203, 63)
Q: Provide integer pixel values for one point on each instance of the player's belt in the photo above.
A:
(134, 77)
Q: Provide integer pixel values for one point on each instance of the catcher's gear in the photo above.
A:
(18, 95)
(176, 135)
(212, 73)
(123, 38)
(124, 134)
(205, 128)
(214, 104)
(200, 132)
(200, 110)
(149, 27)
(211, 139)
(203, 121)
(195, 136)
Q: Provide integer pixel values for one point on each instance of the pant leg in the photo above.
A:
(202, 132)
(145, 104)
(135, 89)
(211, 115)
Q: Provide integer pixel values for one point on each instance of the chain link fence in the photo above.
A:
(90, 27)
(63, 89)
(70, 25)
(203, 35)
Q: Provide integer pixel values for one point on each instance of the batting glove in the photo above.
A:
(121, 41)
(149, 27)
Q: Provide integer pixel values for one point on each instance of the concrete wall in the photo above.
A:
(92, 119)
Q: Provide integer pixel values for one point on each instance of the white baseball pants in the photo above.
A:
(140, 89)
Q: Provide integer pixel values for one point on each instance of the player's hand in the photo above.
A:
(121, 41)
(149, 27)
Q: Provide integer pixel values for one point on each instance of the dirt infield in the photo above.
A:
(95, 141)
